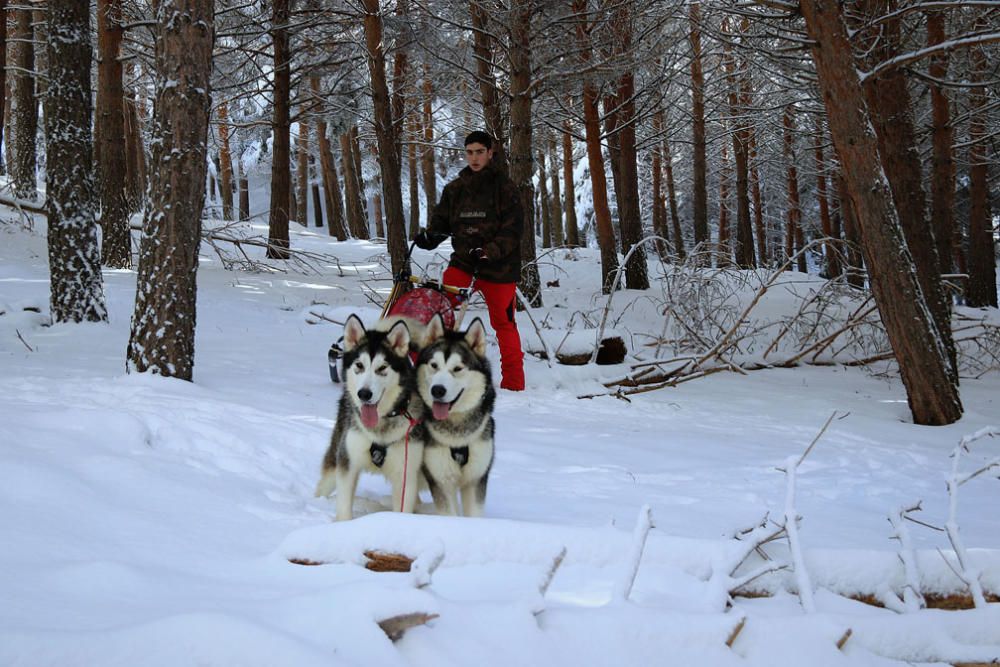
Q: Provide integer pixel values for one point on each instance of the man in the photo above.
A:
(481, 211)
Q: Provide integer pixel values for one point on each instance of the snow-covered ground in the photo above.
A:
(150, 521)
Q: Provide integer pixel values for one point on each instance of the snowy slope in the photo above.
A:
(150, 521)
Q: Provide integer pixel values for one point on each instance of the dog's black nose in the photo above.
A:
(438, 391)
(365, 394)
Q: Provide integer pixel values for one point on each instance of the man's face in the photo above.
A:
(478, 156)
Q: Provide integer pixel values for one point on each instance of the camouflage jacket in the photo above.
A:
(482, 210)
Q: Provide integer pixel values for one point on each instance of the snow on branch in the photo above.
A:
(965, 570)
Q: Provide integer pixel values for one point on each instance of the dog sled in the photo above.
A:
(416, 298)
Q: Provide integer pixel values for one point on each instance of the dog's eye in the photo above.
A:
(434, 365)
(382, 370)
(359, 367)
(458, 369)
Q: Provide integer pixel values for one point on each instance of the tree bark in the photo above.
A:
(225, 163)
(116, 248)
(572, 230)
(427, 155)
(331, 185)
(385, 136)
(302, 172)
(793, 214)
(244, 192)
(831, 255)
(356, 218)
(281, 176)
(659, 201)
(699, 197)
(413, 162)
(920, 352)
(855, 268)
(595, 159)
(725, 251)
(675, 220)
(889, 106)
(135, 155)
(3, 76)
(558, 238)
(758, 204)
(544, 202)
(483, 49)
(163, 326)
(942, 159)
(739, 109)
(521, 142)
(24, 110)
(982, 258)
(76, 283)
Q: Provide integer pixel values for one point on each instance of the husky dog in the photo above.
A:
(374, 418)
(453, 379)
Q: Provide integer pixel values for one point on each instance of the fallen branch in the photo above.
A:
(397, 625)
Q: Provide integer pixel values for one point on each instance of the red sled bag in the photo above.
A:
(422, 303)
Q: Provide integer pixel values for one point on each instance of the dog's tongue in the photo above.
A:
(369, 415)
(440, 410)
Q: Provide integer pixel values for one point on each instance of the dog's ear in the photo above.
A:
(354, 331)
(399, 339)
(435, 329)
(475, 336)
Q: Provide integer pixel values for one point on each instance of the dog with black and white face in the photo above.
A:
(454, 381)
(377, 427)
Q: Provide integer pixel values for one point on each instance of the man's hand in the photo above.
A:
(478, 254)
(428, 240)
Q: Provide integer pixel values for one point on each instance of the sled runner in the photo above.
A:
(418, 299)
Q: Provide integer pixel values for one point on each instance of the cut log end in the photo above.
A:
(381, 561)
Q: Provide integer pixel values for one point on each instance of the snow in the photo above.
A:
(151, 521)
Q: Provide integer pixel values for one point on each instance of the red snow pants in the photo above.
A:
(500, 304)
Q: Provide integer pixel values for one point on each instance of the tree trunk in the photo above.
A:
(793, 214)
(163, 326)
(572, 231)
(225, 163)
(855, 269)
(331, 184)
(302, 173)
(328, 170)
(675, 221)
(659, 201)
(889, 106)
(521, 141)
(76, 284)
(831, 256)
(414, 177)
(724, 256)
(739, 106)
(545, 204)
(483, 49)
(24, 109)
(356, 219)
(558, 238)
(244, 192)
(135, 155)
(699, 203)
(3, 76)
(595, 159)
(920, 352)
(427, 155)
(281, 176)
(758, 204)
(982, 258)
(942, 140)
(116, 248)
(385, 136)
